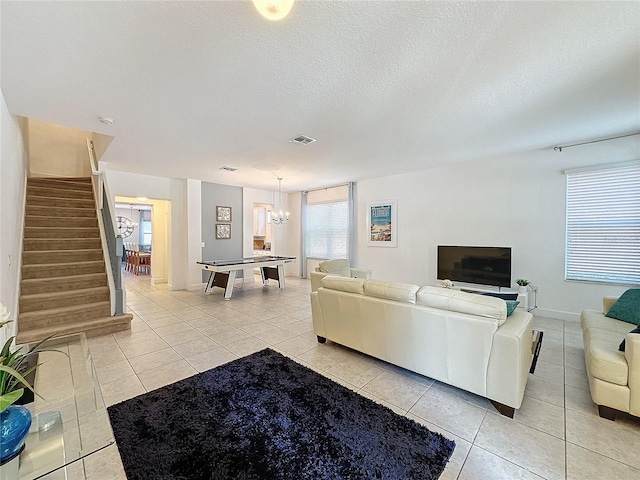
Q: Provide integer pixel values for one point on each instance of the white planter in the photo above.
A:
(522, 289)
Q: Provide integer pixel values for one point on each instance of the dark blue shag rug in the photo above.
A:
(266, 417)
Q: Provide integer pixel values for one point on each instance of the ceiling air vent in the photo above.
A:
(228, 169)
(303, 140)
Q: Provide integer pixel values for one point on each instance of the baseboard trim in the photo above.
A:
(556, 314)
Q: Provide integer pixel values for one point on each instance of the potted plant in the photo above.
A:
(15, 420)
(522, 285)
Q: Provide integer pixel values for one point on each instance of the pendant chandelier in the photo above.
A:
(278, 217)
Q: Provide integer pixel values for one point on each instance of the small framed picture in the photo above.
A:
(223, 231)
(223, 214)
(382, 224)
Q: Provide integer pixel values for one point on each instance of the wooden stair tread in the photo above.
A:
(62, 310)
(65, 278)
(92, 327)
(67, 294)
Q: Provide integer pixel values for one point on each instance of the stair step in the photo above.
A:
(61, 256)
(53, 270)
(60, 316)
(62, 283)
(70, 192)
(91, 328)
(34, 201)
(62, 213)
(71, 222)
(64, 182)
(40, 244)
(61, 232)
(46, 301)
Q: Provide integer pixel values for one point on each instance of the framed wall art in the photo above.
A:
(223, 231)
(223, 214)
(382, 224)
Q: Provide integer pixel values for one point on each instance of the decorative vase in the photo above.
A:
(522, 289)
(15, 421)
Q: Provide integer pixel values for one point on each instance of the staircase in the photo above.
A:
(64, 287)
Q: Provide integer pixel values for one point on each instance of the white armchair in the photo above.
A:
(339, 267)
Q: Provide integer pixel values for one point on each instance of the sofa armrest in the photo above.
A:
(632, 355)
(360, 273)
(316, 314)
(607, 303)
(510, 359)
(316, 280)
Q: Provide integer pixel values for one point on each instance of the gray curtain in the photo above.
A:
(353, 223)
(303, 234)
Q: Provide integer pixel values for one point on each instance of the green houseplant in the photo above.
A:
(522, 285)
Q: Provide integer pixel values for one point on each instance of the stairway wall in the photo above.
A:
(13, 174)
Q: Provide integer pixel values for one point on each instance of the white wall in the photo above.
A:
(517, 201)
(58, 151)
(194, 238)
(13, 173)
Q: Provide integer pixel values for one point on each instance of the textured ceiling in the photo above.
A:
(385, 87)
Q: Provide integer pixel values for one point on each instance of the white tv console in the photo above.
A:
(523, 298)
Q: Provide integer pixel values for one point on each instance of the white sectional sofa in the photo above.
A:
(614, 376)
(339, 267)
(462, 339)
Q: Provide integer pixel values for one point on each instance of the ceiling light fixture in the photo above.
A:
(106, 120)
(279, 217)
(273, 9)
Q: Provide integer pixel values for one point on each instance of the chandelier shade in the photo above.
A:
(278, 217)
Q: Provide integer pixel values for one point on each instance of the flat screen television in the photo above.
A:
(479, 265)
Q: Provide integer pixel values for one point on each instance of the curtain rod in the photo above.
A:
(327, 188)
(560, 147)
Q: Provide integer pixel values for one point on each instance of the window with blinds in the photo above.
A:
(603, 225)
(327, 229)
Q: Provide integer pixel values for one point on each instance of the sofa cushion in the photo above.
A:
(504, 296)
(511, 306)
(627, 308)
(604, 361)
(400, 292)
(344, 284)
(623, 344)
(594, 319)
(338, 266)
(462, 302)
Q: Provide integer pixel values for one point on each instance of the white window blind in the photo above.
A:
(327, 229)
(146, 232)
(603, 225)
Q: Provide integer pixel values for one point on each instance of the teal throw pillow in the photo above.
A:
(627, 308)
(511, 306)
(622, 345)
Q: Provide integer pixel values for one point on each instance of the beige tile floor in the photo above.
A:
(557, 433)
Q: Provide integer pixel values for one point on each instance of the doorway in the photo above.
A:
(262, 238)
(149, 233)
